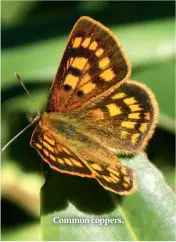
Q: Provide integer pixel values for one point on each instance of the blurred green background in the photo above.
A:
(34, 35)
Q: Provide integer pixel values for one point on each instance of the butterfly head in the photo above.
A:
(33, 119)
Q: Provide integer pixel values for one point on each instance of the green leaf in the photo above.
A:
(27, 188)
(14, 12)
(160, 78)
(30, 232)
(147, 214)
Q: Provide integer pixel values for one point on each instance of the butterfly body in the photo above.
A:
(94, 110)
(66, 129)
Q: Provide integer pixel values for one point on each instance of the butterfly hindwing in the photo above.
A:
(57, 155)
(93, 61)
(116, 178)
(124, 120)
(107, 169)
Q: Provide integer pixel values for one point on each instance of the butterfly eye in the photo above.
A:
(80, 93)
(71, 130)
(67, 88)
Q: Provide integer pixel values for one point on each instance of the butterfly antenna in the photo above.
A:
(37, 117)
(33, 121)
(29, 95)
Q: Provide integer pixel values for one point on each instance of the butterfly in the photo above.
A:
(95, 111)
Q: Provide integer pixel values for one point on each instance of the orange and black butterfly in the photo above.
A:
(94, 110)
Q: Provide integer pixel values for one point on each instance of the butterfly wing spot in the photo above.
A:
(79, 63)
(60, 161)
(119, 96)
(134, 115)
(130, 100)
(71, 80)
(86, 42)
(123, 170)
(88, 87)
(48, 146)
(46, 152)
(143, 127)
(80, 93)
(68, 162)
(77, 42)
(38, 146)
(112, 180)
(85, 79)
(76, 163)
(113, 171)
(97, 114)
(99, 52)
(87, 67)
(96, 167)
(106, 178)
(107, 75)
(125, 185)
(127, 179)
(93, 45)
(147, 116)
(128, 124)
(67, 87)
(52, 157)
(49, 140)
(104, 62)
(134, 138)
(113, 109)
(115, 178)
(123, 134)
(65, 150)
(135, 107)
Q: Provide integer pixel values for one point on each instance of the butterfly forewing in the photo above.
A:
(57, 155)
(92, 62)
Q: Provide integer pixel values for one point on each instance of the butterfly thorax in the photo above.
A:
(65, 128)
(58, 123)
